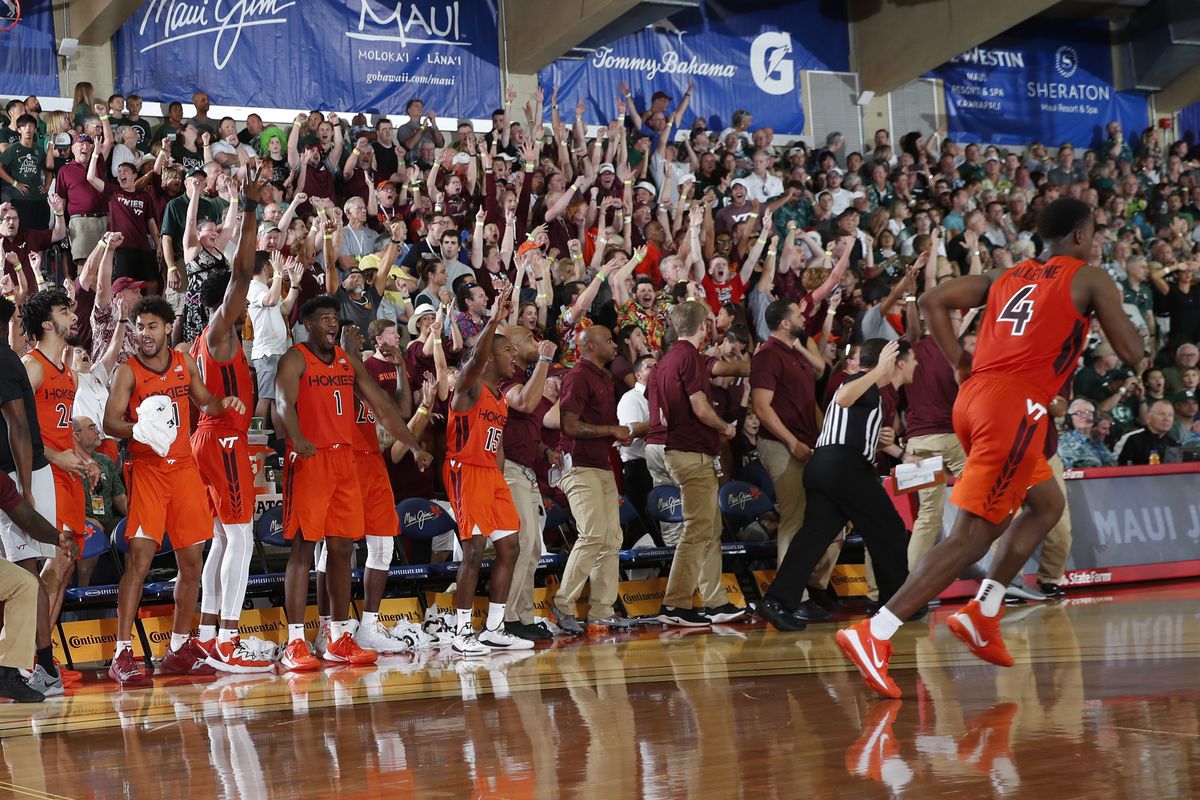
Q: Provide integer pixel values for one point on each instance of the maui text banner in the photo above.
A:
(749, 58)
(28, 64)
(1047, 81)
(344, 55)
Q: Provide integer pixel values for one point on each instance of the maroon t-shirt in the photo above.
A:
(385, 373)
(318, 181)
(683, 373)
(780, 368)
(932, 393)
(24, 242)
(85, 302)
(416, 363)
(129, 213)
(492, 282)
(73, 187)
(522, 432)
(587, 391)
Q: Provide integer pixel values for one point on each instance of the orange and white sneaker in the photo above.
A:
(69, 676)
(297, 658)
(877, 744)
(233, 656)
(347, 651)
(988, 739)
(870, 655)
(980, 634)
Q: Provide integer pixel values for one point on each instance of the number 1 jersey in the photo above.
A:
(325, 401)
(175, 381)
(1031, 330)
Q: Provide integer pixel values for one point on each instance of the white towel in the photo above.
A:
(156, 425)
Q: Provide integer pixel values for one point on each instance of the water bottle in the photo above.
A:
(1155, 458)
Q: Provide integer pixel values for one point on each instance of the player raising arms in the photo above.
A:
(314, 396)
(483, 505)
(1034, 328)
(166, 493)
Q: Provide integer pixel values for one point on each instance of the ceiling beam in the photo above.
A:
(540, 31)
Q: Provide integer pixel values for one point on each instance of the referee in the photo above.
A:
(842, 485)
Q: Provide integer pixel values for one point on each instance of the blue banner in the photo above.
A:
(1039, 82)
(747, 56)
(345, 55)
(28, 60)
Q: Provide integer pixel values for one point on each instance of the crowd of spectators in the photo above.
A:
(414, 224)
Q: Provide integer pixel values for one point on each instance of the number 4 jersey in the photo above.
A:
(1031, 331)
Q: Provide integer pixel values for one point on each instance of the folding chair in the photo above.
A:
(121, 544)
(269, 530)
(423, 519)
(742, 503)
(557, 518)
(664, 504)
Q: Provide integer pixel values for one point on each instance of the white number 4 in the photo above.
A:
(1019, 309)
(1035, 410)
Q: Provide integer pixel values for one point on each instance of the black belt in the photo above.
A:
(88, 216)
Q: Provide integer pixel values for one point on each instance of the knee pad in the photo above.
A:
(379, 552)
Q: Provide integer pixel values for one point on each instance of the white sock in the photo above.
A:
(462, 620)
(369, 618)
(227, 635)
(495, 616)
(178, 640)
(122, 647)
(336, 629)
(885, 624)
(323, 621)
(295, 631)
(990, 596)
(207, 633)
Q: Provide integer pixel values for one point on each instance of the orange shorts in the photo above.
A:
(70, 503)
(483, 504)
(168, 499)
(1003, 426)
(321, 496)
(224, 462)
(379, 504)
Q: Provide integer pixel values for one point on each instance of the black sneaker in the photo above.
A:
(533, 633)
(682, 618)
(779, 617)
(1051, 590)
(724, 613)
(812, 611)
(15, 689)
(825, 598)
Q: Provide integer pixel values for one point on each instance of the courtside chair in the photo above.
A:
(422, 519)
(664, 505)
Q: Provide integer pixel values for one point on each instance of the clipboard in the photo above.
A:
(927, 472)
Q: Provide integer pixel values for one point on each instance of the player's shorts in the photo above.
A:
(70, 505)
(379, 504)
(171, 499)
(321, 496)
(1002, 425)
(17, 544)
(224, 463)
(483, 504)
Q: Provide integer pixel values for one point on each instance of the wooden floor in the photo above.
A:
(1102, 703)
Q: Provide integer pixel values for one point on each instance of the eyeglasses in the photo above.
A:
(1082, 413)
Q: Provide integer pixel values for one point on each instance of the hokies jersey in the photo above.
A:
(225, 379)
(1031, 330)
(175, 381)
(366, 437)
(55, 400)
(474, 437)
(325, 400)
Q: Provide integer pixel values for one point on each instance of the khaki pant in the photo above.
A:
(593, 497)
(656, 461)
(19, 593)
(697, 562)
(1057, 546)
(85, 234)
(788, 476)
(933, 500)
(522, 483)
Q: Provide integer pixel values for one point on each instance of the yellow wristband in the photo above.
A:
(329, 236)
(320, 212)
(233, 201)
(437, 341)
(423, 410)
(104, 117)
(628, 183)
(603, 278)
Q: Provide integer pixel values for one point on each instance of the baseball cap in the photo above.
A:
(196, 171)
(1183, 396)
(742, 182)
(369, 261)
(267, 227)
(83, 137)
(660, 95)
(648, 186)
(795, 151)
(605, 167)
(992, 158)
(125, 282)
(423, 310)
(384, 185)
(836, 171)
(402, 273)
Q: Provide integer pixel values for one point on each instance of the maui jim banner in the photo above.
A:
(348, 55)
(747, 56)
(1041, 81)
(28, 65)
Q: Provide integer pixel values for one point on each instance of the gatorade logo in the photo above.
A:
(770, 66)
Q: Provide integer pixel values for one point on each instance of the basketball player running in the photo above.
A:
(314, 396)
(166, 493)
(1033, 330)
(483, 504)
(223, 456)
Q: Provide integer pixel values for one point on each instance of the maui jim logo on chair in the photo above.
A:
(742, 499)
(421, 517)
(670, 505)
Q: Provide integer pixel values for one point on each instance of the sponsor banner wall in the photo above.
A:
(747, 55)
(349, 55)
(1045, 80)
(28, 64)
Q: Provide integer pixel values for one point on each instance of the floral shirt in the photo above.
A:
(652, 321)
(469, 327)
(1078, 451)
(569, 333)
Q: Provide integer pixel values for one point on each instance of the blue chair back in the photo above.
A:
(628, 514)
(556, 515)
(755, 474)
(96, 543)
(122, 544)
(665, 504)
(423, 519)
(744, 500)
(269, 528)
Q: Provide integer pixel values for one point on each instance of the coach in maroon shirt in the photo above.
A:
(87, 209)
(19, 243)
(588, 416)
(930, 424)
(694, 434)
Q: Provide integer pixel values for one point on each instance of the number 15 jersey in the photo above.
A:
(474, 436)
(1031, 330)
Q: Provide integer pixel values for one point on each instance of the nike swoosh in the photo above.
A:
(875, 659)
(966, 622)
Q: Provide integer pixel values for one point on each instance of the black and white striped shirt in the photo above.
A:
(856, 427)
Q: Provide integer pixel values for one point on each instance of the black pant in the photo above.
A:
(638, 483)
(843, 487)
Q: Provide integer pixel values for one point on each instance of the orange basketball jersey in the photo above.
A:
(55, 401)
(366, 437)
(225, 379)
(1031, 330)
(325, 401)
(176, 383)
(474, 437)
